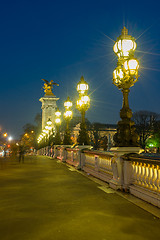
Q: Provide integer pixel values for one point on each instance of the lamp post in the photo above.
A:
(125, 76)
(48, 127)
(67, 117)
(39, 140)
(45, 134)
(57, 122)
(83, 104)
(44, 137)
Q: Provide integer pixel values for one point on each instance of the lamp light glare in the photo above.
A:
(79, 102)
(85, 99)
(68, 103)
(48, 128)
(49, 122)
(10, 138)
(58, 113)
(68, 114)
(83, 102)
(118, 73)
(125, 44)
(57, 120)
(131, 66)
(82, 86)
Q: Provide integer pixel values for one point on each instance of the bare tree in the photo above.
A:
(145, 122)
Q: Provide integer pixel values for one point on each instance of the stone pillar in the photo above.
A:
(55, 151)
(122, 171)
(49, 107)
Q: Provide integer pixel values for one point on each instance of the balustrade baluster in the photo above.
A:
(133, 169)
(150, 177)
(136, 173)
(139, 173)
(143, 174)
(154, 177)
(158, 178)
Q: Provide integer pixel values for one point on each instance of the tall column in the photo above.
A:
(49, 107)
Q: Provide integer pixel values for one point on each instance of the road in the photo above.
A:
(44, 199)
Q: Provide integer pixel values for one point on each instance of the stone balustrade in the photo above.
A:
(133, 173)
(73, 157)
(97, 164)
(145, 179)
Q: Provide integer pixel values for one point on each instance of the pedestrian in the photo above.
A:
(21, 153)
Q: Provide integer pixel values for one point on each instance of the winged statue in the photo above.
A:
(48, 86)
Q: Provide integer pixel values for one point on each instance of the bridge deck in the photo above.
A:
(43, 199)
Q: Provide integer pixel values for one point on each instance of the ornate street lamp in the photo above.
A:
(39, 139)
(83, 104)
(48, 129)
(49, 122)
(67, 117)
(82, 86)
(57, 122)
(45, 134)
(58, 114)
(124, 76)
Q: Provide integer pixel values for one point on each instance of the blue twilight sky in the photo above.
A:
(62, 40)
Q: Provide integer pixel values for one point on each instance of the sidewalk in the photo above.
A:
(44, 199)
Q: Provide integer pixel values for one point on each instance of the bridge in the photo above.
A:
(44, 198)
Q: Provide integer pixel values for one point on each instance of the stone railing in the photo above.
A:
(60, 152)
(92, 162)
(133, 173)
(74, 157)
(97, 164)
(144, 178)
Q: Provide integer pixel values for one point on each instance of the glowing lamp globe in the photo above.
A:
(58, 113)
(46, 131)
(49, 122)
(82, 86)
(68, 114)
(57, 121)
(124, 45)
(85, 99)
(79, 103)
(48, 127)
(83, 103)
(118, 75)
(131, 66)
(68, 103)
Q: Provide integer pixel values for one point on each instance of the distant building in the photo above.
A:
(103, 130)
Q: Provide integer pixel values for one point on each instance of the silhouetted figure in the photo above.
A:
(21, 153)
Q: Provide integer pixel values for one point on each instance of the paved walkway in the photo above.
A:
(42, 199)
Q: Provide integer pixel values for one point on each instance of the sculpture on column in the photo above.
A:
(48, 86)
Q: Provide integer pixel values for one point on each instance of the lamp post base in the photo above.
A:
(126, 135)
(67, 138)
(83, 138)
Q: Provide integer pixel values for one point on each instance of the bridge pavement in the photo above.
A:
(42, 199)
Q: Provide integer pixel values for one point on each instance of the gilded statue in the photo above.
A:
(48, 86)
